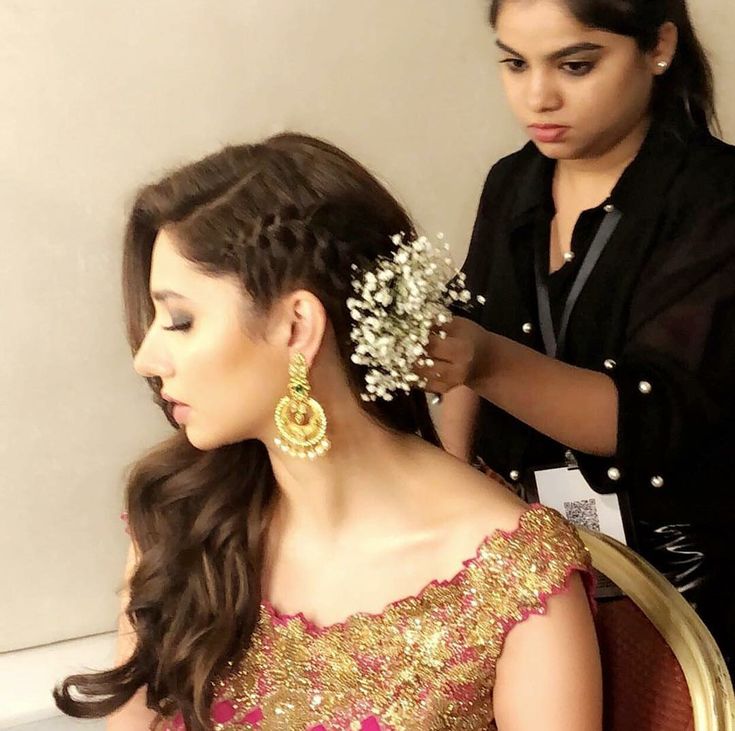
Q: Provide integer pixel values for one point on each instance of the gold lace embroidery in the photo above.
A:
(426, 663)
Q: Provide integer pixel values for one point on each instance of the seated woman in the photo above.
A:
(304, 555)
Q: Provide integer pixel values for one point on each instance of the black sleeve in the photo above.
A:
(676, 374)
(478, 260)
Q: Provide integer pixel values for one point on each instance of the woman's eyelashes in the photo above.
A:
(514, 64)
(578, 68)
(179, 324)
(573, 68)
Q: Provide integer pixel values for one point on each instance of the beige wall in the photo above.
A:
(98, 96)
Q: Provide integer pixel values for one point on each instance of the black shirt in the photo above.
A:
(657, 315)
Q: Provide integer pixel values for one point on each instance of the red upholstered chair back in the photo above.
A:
(662, 670)
(644, 685)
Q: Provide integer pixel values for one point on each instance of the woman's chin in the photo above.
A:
(201, 440)
(207, 441)
(558, 151)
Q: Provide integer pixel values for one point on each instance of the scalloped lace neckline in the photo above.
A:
(279, 618)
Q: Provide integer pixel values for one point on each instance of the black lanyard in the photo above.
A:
(553, 344)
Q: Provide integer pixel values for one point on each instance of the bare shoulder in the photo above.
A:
(469, 500)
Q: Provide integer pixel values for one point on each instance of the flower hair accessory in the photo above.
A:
(395, 307)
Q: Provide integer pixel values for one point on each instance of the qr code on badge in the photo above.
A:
(584, 513)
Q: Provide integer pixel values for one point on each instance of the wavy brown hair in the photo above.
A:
(291, 212)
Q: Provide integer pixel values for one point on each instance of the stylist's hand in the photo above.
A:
(455, 357)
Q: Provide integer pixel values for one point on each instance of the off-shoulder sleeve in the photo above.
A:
(522, 570)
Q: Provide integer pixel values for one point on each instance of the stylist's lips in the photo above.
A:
(548, 132)
(180, 410)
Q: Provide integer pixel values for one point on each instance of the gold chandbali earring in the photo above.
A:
(300, 420)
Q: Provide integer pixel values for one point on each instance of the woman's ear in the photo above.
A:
(661, 57)
(299, 322)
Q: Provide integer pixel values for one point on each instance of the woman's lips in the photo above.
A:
(548, 132)
(181, 412)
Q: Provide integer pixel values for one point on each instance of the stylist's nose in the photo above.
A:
(152, 360)
(542, 93)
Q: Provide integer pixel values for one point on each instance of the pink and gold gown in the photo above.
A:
(426, 663)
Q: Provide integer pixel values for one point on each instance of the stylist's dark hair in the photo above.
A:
(686, 90)
(292, 212)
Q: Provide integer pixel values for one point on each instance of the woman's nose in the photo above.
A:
(152, 360)
(542, 93)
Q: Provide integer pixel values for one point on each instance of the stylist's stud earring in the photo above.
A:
(300, 420)
(663, 64)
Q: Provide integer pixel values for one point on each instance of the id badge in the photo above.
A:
(565, 489)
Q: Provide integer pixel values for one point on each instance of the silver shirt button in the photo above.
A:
(644, 387)
(610, 364)
(514, 475)
(527, 328)
(614, 474)
(657, 481)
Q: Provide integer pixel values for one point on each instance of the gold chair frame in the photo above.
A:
(707, 677)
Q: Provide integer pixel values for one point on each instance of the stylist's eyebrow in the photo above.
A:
(556, 55)
(166, 294)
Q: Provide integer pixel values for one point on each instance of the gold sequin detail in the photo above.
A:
(427, 663)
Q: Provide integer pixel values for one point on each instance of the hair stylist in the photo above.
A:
(605, 251)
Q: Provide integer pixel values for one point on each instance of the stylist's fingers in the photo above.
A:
(440, 346)
(447, 343)
(436, 386)
(451, 352)
(439, 377)
(430, 367)
(454, 350)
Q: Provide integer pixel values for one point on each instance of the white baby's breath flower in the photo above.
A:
(395, 307)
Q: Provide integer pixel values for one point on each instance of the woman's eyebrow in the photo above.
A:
(556, 55)
(573, 49)
(165, 294)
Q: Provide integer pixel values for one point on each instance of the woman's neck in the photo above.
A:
(361, 487)
(591, 180)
